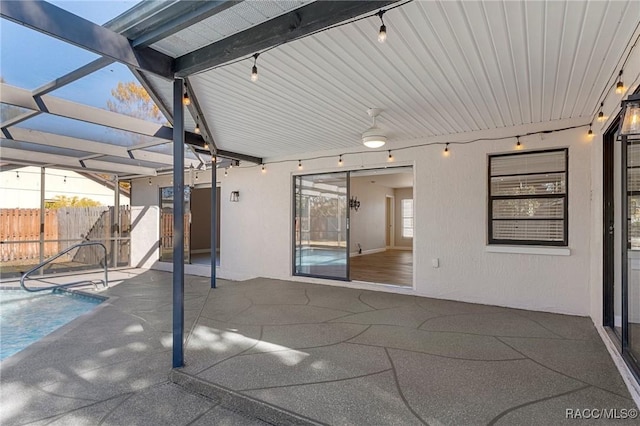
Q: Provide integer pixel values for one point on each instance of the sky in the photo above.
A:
(29, 59)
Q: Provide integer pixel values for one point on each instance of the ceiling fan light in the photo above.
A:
(374, 138)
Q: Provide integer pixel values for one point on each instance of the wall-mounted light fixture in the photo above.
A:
(630, 124)
(354, 204)
(234, 197)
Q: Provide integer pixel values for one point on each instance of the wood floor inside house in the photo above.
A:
(387, 267)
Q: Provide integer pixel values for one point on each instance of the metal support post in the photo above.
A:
(115, 219)
(178, 224)
(214, 221)
(42, 216)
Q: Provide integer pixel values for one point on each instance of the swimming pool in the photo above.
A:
(27, 317)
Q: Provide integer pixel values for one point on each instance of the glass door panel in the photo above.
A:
(321, 217)
(166, 224)
(633, 247)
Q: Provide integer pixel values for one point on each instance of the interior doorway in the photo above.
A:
(389, 218)
(381, 231)
(201, 248)
(355, 225)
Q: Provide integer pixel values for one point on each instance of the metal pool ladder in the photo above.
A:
(105, 281)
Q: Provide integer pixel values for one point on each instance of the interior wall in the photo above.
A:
(367, 225)
(401, 194)
(201, 219)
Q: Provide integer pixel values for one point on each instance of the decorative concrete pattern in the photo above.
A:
(345, 356)
(111, 366)
(268, 351)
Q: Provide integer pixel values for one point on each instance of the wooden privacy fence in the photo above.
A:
(70, 225)
(24, 225)
(166, 234)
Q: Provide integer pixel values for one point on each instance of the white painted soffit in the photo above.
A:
(446, 68)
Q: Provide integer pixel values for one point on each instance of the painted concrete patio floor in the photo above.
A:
(323, 354)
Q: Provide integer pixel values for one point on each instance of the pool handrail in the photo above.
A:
(105, 282)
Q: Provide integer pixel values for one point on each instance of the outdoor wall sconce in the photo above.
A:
(234, 197)
(354, 204)
(630, 124)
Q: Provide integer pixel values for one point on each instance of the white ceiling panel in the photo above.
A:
(447, 67)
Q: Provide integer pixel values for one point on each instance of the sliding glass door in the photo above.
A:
(321, 221)
(631, 250)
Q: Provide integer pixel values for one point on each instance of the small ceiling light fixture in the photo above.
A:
(299, 164)
(631, 116)
(601, 113)
(518, 144)
(185, 99)
(64, 180)
(382, 34)
(254, 70)
(206, 145)
(620, 84)
(390, 157)
(149, 181)
(263, 169)
(374, 137)
(446, 152)
(340, 160)
(226, 172)
(590, 132)
(197, 129)
(17, 175)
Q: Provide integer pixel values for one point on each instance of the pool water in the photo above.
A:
(27, 317)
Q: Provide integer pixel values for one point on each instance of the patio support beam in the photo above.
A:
(238, 156)
(297, 23)
(67, 142)
(177, 17)
(63, 108)
(144, 80)
(19, 119)
(61, 24)
(214, 221)
(178, 224)
(74, 75)
(21, 156)
(196, 112)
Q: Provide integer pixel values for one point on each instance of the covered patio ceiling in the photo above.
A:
(447, 68)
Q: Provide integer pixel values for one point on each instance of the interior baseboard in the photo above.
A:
(378, 250)
(200, 251)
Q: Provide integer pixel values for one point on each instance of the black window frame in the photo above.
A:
(564, 197)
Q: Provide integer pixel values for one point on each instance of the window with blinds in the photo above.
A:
(528, 198)
(407, 218)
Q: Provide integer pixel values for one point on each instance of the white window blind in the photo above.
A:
(528, 198)
(407, 218)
